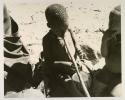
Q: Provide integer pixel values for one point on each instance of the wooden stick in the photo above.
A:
(77, 71)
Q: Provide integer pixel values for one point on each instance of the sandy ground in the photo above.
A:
(85, 17)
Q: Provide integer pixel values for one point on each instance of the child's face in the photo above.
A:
(60, 30)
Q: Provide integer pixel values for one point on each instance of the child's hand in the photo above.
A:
(109, 34)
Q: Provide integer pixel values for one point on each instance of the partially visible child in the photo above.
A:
(111, 42)
(16, 68)
(57, 58)
(111, 50)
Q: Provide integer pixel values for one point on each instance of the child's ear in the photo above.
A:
(49, 25)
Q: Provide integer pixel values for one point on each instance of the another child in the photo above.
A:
(16, 68)
(111, 50)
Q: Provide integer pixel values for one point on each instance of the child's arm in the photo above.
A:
(106, 42)
(46, 50)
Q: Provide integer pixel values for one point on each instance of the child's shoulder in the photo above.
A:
(48, 36)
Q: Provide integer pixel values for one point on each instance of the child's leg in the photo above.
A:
(66, 83)
(102, 81)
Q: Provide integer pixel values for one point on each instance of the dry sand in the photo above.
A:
(85, 17)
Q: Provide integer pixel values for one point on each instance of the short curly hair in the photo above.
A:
(56, 14)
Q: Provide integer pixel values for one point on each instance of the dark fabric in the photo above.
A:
(60, 69)
(113, 60)
(18, 76)
(108, 77)
(16, 64)
(14, 26)
(61, 85)
(13, 48)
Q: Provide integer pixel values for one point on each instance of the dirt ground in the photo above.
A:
(86, 17)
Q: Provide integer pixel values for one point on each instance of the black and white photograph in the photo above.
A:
(62, 48)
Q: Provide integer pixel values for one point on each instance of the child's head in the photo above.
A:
(57, 18)
(115, 19)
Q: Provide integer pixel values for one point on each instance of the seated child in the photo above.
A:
(17, 70)
(111, 50)
(56, 55)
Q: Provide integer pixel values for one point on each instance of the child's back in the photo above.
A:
(57, 58)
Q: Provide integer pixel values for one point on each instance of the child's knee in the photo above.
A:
(116, 92)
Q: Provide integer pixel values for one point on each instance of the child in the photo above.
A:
(16, 58)
(111, 50)
(56, 55)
